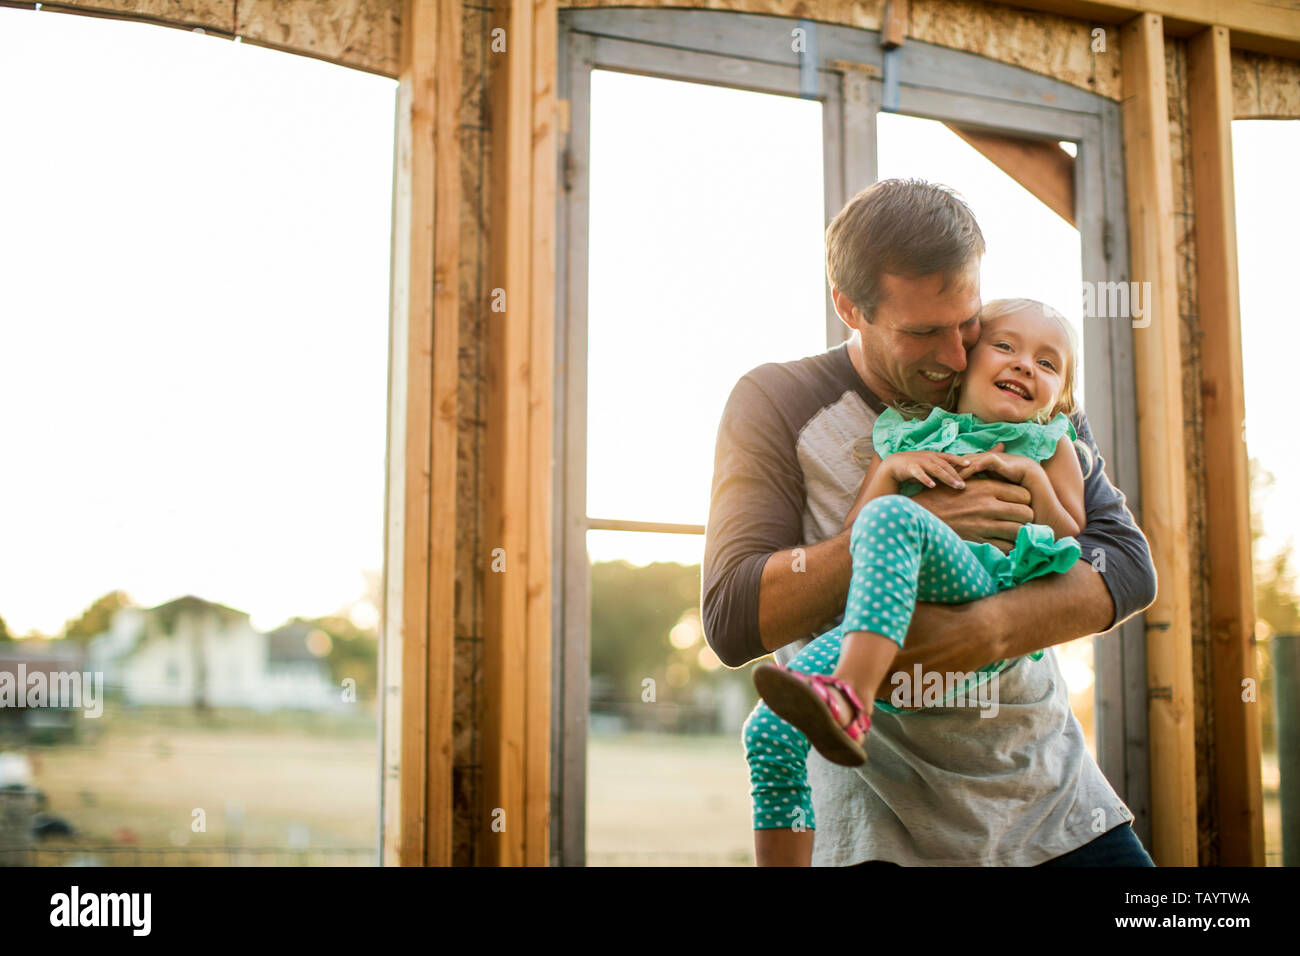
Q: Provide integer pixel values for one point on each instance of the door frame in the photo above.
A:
(847, 70)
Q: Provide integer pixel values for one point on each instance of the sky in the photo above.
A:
(194, 266)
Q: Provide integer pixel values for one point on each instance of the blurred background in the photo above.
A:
(194, 268)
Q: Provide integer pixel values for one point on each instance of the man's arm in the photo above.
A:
(755, 512)
(1113, 580)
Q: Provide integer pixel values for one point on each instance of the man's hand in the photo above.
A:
(944, 638)
(960, 638)
(985, 510)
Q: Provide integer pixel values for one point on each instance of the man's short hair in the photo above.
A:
(904, 227)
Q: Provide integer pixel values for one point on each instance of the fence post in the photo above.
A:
(1286, 676)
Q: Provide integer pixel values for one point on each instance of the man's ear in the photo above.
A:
(849, 313)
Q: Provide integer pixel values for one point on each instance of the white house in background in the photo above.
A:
(190, 652)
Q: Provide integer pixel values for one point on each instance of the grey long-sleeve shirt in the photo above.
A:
(785, 475)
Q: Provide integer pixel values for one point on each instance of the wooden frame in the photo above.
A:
(1160, 428)
(417, 41)
(581, 52)
(517, 594)
(1240, 815)
(956, 88)
(1263, 26)
(417, 654)
(1043, 168)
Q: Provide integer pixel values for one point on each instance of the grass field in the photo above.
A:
(656, 799)
(291, 782)
(136, 779)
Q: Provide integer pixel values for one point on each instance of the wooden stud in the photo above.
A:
(893, 23)
(446, 382)
(1240, 822)
(505, 638)
(546, 119)
(1043, 168)
(1160, 431)
(408, 573)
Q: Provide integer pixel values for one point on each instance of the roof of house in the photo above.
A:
(191, 603)
(45, 656)
(288, 644)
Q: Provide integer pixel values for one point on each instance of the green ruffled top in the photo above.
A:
(1037, 552)
(966, 434)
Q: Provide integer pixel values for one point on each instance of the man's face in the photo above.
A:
(918, 340)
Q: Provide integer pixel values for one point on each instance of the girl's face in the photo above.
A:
(1017, 368)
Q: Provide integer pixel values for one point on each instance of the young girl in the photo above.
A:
(1010, 423)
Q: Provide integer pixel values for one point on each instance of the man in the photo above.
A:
(944, 787)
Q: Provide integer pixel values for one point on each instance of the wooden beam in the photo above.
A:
(1043, 168)
(407, 574)
(893, 23)
(1160, 435)
(1240, 822)
(445, 281)
(505, 638)
(1267, 26)
(362, 34)
(545, 157)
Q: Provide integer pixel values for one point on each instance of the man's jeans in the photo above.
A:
(1117, 847)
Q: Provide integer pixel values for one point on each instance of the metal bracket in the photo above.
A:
(808, 61)
(889, 99)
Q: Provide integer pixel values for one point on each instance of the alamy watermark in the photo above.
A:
(41, 688)
(1118, 300)
(953, 689)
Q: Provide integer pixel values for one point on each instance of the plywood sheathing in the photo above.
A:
(363, 34)
(1264, 87)
(359, 33)
(864, 14)
(1044, 43)
(1052, 45)
(1194, 442)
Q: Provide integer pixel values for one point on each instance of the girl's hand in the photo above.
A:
(1013, 468)
(926, 466)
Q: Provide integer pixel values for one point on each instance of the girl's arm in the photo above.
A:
(1066, 478)
(1056, 485)
(885, 476)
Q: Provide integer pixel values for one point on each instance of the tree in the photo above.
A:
(4, 631)
(1277, 604)
(354, 653)
(97, 618)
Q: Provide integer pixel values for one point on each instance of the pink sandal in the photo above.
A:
(804, 701)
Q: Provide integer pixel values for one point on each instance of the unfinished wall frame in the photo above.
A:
(845, 70)
(403, 38)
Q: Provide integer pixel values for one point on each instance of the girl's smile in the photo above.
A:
(1016, 371)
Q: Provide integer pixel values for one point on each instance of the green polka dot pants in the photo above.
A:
(901, 554)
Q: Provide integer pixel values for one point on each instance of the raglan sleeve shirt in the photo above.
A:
(755, 510)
